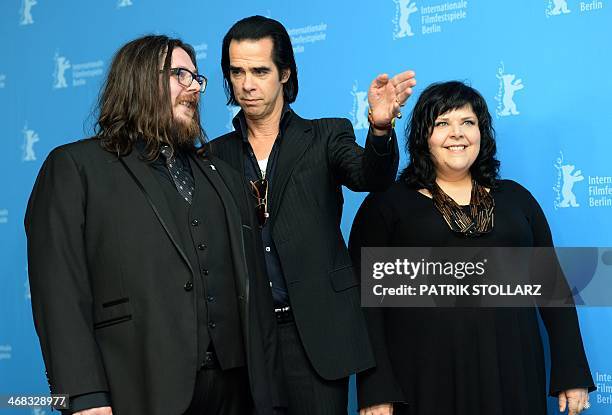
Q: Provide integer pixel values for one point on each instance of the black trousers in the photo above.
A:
(221, 392)
(308, 393)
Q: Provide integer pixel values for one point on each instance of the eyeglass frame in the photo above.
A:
(200, 79)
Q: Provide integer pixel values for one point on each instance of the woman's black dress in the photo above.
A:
(459, 361)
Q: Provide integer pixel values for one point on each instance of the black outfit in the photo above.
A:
(328, 340)
(460, 361)
(142, 298)
(252, 172)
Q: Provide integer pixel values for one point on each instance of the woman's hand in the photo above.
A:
(382, 409)
(575, 400)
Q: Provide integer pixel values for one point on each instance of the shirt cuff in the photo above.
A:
(88, 401)
(381, 143)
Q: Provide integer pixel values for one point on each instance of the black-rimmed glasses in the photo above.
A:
(185, 78)
(259, 189)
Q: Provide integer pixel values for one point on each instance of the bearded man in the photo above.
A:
(148, 284)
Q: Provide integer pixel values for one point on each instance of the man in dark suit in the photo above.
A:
(295, 169)
(148, 283)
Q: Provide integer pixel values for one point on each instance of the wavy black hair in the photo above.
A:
(256, 28)
(435, 100)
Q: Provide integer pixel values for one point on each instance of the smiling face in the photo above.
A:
(454, 143)
(184, 99)
(255, 79)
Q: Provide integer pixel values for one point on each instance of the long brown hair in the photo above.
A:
(134, 102)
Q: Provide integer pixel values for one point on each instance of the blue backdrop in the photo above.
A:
(542, 65)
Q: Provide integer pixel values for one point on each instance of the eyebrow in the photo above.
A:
(194, 70)
(255, 68)
(469, 117)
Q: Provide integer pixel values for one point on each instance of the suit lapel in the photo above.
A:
(146, 181)
(296, 140)
(232, 152)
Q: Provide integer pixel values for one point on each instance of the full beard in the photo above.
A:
(184, 134)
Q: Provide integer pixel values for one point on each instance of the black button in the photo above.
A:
(195, 222)
(201, 247)
(212, 324)
(204, 271)
(188, 286)
(210, 298)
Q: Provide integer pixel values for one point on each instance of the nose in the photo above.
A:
(194, 86)
(248, 84)
(456, 130)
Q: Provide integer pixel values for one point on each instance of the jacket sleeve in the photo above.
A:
(361, 169)
(62, 301)
(377, 385)
(569, 366)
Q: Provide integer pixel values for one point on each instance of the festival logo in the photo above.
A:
(30, 137)
(359, 113)
(81, 72)
(401, 22)
(567, 177)
(59, 75)
(26, 12)
(302, 36)
(508, 85)
(556, 7)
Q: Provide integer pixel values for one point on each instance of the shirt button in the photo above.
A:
(201, 247)
(267, 249)
(188, 286)
(204, 271)
(210, 298)
(195, 222)
(212, 324)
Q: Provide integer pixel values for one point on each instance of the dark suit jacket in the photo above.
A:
(316, 158)
(107, 276)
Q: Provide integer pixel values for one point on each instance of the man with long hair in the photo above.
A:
(295, 169)
(148, 284)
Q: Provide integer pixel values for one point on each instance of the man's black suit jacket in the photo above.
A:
(108, 274)
(316, 158)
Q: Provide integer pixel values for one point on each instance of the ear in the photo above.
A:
(285, 75)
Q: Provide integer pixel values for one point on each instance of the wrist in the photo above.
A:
(380, 129)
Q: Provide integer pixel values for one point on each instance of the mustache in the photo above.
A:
(189, 98)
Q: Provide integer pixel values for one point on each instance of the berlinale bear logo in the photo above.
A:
(404, 8)
(359, 114)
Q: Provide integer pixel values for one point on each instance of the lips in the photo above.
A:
(456, 148)
(250, 101)
(188, 105)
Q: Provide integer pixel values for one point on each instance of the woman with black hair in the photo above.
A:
(463, 361)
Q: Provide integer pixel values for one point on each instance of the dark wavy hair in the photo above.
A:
(256, 28)
(134, 102)
(435, 100)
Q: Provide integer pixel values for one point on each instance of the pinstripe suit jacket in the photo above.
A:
(316, 158)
